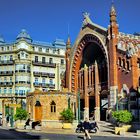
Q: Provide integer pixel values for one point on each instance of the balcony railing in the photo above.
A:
(7, 62)
(44, 74)
(44, 64)
(37, 73)
(6, 73)
(37, 84)
(22, 82)
(44, 85)
(28, 71)
(51, 75)
(6, 84)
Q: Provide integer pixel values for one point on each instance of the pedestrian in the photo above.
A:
(86, 128)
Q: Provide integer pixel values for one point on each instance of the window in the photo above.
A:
(138, 62)
(26, 55)
(47, 50)
(2, 48)
(62, 61)
(50, 60)
(40, 49)
(43, 60)
(139, 81)
(53, 107)
(128, 65)
(8, 48)
(54, 50)
(22, 54)
(11, 57)
(5, 79)
(10, 90)
(18, 56)
(10, 79)
(119, 62)
(51, 81)
(0, 58)
(5, 90)
(36, 80)
(123, 61)
(33, 48)
(36, 58)
(43, 80)
(0, 90)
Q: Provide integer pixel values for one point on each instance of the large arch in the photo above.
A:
(88, 49)
(77, 57)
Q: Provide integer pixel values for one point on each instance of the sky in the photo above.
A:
(46, 20)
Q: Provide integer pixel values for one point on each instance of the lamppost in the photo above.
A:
(79, 115)
(116, 99)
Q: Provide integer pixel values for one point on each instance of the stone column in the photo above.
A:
(97, 94)
(86, 109)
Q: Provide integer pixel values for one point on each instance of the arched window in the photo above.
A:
(53, 107)
(127, 65)
(119, 62)
(123, 63)
(139, 81)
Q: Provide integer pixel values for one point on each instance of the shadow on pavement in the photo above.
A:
(13, 134)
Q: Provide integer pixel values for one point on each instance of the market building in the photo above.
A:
(103, 67)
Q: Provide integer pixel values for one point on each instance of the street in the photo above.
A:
(13, 134)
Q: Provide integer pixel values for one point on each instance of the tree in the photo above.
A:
(21, 114)
(67, 115)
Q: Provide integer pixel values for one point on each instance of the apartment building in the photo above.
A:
(26, 64)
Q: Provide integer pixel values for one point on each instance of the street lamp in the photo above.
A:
(116, 99)
(68, 97)
(79, 115)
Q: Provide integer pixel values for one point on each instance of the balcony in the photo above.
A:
(44, 85)
(22, 82)
(51, 75)
(6, 73)
(37, 84)
(44, 64)
(27, 71)
(44, 74)
(6, 84)
(51, 86)
(7, 62)
(37, 73)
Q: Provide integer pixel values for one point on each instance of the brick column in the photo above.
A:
(86, 109)
(97, 95)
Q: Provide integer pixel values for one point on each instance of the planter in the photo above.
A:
(38, 128)
(126, 127)
(20, 125)
(67, 126)
(118, 130)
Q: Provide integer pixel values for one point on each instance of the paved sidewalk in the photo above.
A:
(105, 129)
(71, 132)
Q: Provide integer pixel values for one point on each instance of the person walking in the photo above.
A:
(86, 126)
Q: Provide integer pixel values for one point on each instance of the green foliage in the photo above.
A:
(67, 115)
(122, 116)
(21, 114)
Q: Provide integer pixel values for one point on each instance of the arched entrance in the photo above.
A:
(90, 76)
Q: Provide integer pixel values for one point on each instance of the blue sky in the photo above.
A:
(46, 20)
